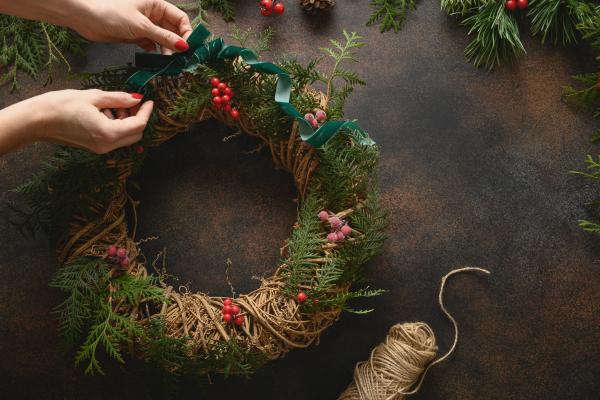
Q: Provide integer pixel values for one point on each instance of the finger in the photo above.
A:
(108, 113)
(102, 99)
(130, 130)
(164, 37)
(121, 113)
(178, 19)
(146, 44)
(134, 110)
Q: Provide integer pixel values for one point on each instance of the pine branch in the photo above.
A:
(462, 7)
(588, 96)
(223, 7)
(497, 36)
(588, 16)
(390, 14)
(554, 19)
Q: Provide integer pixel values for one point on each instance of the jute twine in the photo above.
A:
(274, 323)
(397, 366)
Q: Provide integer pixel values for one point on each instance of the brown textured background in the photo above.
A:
(474, 171)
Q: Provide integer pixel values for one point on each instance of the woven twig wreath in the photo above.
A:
(274, 318)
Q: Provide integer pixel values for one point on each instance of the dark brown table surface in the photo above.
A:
(474, 170)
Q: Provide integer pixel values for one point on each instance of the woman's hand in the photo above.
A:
(80, 118)
(144, 22)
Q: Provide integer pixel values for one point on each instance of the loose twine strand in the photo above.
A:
(402, 360)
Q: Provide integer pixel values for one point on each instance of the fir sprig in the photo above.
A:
(555, 20)
(390, 14)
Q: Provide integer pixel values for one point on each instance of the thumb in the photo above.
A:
(104, 99)
(165, 38)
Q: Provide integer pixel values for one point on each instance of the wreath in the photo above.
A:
(113, 303)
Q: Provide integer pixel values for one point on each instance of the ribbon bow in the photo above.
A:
(151, 65)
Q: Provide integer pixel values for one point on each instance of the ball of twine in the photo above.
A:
(397, 366)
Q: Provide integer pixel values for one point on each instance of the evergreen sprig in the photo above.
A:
(33, 47)
(93, 301)
(341, 53)
(496, 33)
(555, 20)
(390, 14)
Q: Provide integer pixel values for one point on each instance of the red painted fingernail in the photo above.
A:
(182, 45)
(137, 96)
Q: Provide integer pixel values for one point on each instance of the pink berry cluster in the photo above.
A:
(118, 255)
(267, 7)
(319, 116)
(231, 313)
(222, 95)
(339, 228)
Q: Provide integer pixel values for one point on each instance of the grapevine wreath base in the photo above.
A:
(117, 304)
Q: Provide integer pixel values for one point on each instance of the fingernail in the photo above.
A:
(182, 45)
(137, 96)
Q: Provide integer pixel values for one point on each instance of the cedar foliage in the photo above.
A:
(33, 48)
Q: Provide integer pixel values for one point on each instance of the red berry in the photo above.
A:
(227, 302)
(215, 92)
(346, 230)
(217, 101)
(215, 81)
(140, 149)
(228, 92)
(323, 215)
(228, 309)
(340, 235)
(335, 222)
(321, 115)
(124, 262)
(239, 320)
(266, 3)
(522, 4)
(309, 117)
(222, 86)
(511, 5)
(234, 113)
(122, 253)
(225, 99)
(111, 251)
(278, 8)
(332, 237)
(227, 107)
(301, 297)
(266, 11)
(227, 317)
(314, 123)
(235, 310)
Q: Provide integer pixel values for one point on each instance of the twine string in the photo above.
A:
(403, 359)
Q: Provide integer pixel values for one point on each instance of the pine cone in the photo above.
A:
(316, 6)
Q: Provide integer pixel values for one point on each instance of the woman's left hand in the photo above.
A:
(143, 22)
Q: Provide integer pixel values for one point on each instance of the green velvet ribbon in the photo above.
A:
(151, 65)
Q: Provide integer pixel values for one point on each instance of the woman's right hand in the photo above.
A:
(92, 119)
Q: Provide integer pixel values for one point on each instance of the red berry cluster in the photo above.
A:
(222, 95)
(512, 5)
(267, 7)
(118, 255)
(339, 228)
(315, 118)
(231, 313)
